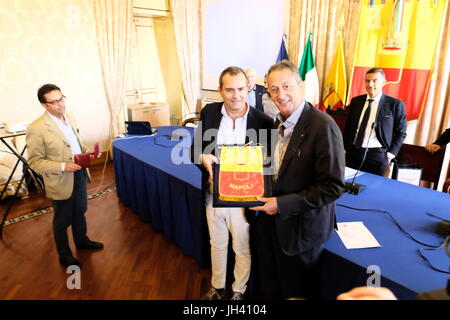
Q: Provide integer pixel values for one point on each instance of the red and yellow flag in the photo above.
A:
(335, 85)
(241, 175)
(400, 37)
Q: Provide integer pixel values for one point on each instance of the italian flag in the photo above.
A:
(308, 73)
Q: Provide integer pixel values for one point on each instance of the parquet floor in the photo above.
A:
(136, 263)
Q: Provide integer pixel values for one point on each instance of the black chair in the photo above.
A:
(340, 116)
(431, 163)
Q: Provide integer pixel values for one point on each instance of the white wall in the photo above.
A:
(240, 33)
(52, 41)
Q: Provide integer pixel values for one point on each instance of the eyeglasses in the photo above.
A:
(63, 98)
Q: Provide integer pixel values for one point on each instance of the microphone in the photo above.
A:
(356, 188)
(443, 227)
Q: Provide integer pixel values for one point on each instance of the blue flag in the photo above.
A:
(282, 54)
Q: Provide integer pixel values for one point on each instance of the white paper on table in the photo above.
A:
(355, 235)
(410, 175)
(349, 173)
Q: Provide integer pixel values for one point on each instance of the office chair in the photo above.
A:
(431, 163)
(340, 116)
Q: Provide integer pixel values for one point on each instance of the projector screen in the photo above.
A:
(243, 33)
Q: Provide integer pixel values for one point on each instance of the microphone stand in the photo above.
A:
(356, 188)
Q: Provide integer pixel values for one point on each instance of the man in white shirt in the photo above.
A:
(375, 127)
(227, 123)
(52, 142)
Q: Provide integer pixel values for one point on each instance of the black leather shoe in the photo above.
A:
(69, 261)
(92, 245)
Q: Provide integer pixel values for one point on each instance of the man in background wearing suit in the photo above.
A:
(440, 142)
(231, 122)
(376, 126)
(52, 142)
(255, 91)
(309, 171)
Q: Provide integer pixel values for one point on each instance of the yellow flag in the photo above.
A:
(401, 38)
(241, 176)
(335, 86)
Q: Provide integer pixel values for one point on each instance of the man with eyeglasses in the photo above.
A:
(52, 142)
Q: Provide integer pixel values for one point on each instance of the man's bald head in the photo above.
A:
(251, 76)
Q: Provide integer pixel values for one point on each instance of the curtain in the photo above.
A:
(435, 116)
(113, 20)
(187, 22)
(321, 18)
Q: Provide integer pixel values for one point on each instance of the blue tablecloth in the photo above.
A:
(161, 192)
(402, 268)
(168, 195)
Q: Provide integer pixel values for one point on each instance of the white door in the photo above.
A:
(145, 82)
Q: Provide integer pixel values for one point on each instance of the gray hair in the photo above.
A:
(285, 64)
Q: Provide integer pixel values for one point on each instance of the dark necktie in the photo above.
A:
(281, 130)
(363, 126)
(279, 149)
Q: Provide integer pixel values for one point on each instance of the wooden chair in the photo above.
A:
(190, 122)
(431, 163)
(446, 187)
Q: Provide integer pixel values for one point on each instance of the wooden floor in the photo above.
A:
(136, 263)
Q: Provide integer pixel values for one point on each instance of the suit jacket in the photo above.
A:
(443, 138)
(390, 122)
(310, 179)
(210, 118)
(259, 91)
(47, 149)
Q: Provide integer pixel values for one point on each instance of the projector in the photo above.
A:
(16, 127)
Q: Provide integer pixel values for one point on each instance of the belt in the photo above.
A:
(379, 149)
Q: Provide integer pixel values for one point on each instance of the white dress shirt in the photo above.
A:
(69, 134)
(373, 142)
(370, 132)
(229, 135)
(252, 97)
(283, 141)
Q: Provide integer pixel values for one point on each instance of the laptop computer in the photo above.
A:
(139, 127)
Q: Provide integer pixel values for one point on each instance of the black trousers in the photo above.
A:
(376, 160)
(70, 212)
(281, 276)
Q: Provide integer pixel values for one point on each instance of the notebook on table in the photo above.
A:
(139, 127)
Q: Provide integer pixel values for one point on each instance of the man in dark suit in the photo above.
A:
(309, 172)
(255, 91)
(375, 128)
(232, 122)
(440, 142)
